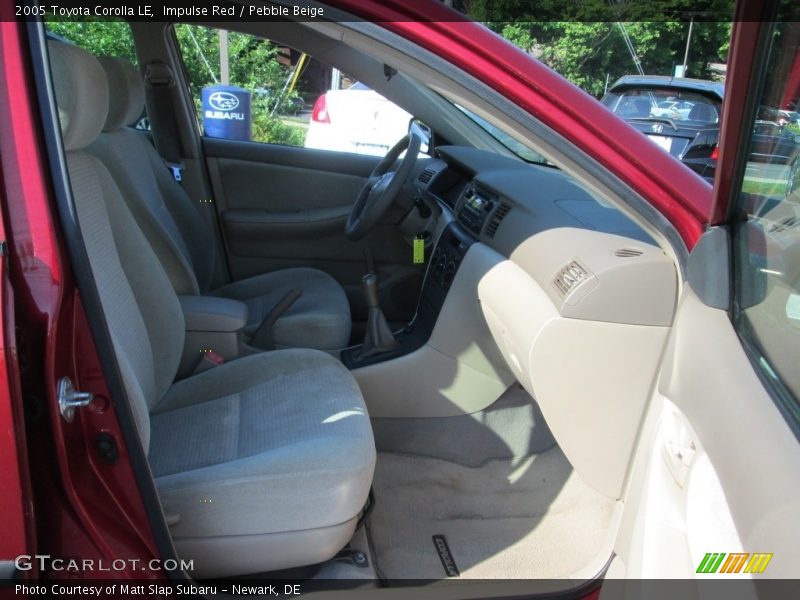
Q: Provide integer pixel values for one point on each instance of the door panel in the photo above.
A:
(717, 468)
(286, 178)
(282, 206)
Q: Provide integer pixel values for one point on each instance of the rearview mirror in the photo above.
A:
(422, 131)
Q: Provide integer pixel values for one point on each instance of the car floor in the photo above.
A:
(494, 484)
(528, 517)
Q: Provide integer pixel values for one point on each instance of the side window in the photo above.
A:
(767, 235)
(249, 88)
(101, 38)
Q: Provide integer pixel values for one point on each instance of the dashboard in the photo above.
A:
(591, 260)
(483, 189)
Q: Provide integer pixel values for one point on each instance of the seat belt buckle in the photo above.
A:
(176, 169)
(213, 357)
(209, 360)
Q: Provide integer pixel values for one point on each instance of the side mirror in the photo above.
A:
(423, 132)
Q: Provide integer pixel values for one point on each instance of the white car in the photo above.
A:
(357, 120)
(673, 109)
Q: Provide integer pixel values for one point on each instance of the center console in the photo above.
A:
(445, 261)
(474, 207)
(212, 324)
(443, 265)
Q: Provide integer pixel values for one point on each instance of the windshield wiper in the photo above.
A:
(669, 122)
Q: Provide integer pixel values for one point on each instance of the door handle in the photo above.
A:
(678, 450)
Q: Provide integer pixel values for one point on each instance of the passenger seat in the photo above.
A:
(181, 238)
(262, 463)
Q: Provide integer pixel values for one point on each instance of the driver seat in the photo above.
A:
(180, 236)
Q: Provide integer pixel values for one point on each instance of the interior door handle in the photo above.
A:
(679, 460)
(678, 450)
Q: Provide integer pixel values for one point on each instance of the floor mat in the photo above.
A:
(524, 518)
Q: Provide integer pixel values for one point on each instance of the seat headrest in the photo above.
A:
(81, 93)
(126, 92)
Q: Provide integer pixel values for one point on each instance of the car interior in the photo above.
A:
(311, 398)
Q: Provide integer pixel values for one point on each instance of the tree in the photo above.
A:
(583, 42)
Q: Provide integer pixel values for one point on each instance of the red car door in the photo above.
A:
(17, 541)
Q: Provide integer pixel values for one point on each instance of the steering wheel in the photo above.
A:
(381, 188)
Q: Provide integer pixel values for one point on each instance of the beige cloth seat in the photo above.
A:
(182, 240)
(265, 461)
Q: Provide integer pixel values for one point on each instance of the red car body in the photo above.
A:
(94, 510)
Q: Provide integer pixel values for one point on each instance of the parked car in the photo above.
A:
(356, 119)
(543, 349)
(673, 109)
(687, 124)
(680, 115)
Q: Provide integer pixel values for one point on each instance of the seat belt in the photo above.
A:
(159, 84)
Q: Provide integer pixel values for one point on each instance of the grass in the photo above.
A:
(757, 181)
(764, 188)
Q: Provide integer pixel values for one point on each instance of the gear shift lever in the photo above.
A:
(369, 258)
(379, 337)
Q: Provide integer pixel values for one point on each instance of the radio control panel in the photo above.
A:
(474, 207)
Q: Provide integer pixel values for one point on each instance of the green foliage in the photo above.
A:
(272, 129)
(582, 41)
(519, 34)
(596, 11)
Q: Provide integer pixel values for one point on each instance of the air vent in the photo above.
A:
(497, 218)
(569, 277)
(628, 252)
(426, 176)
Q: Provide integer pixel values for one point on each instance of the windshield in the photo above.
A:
(683, 107)
(517, 147)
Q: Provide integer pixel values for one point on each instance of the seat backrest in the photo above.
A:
(702, 112)
(176, 230)
(140, 306)
(641, 107)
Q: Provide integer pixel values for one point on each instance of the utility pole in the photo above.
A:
(688, 41)
(224, 70)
